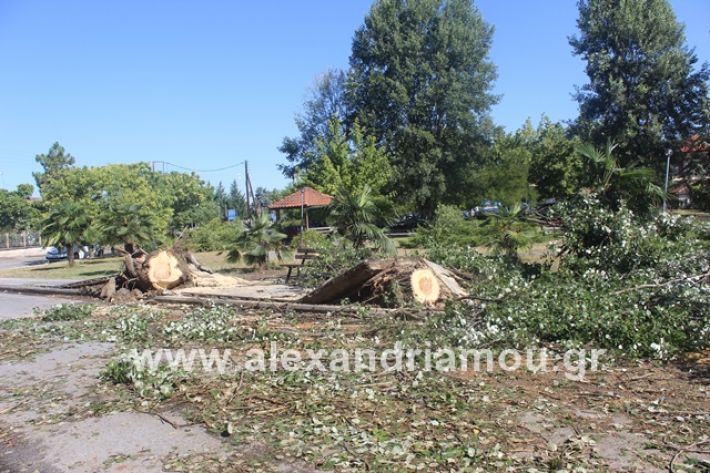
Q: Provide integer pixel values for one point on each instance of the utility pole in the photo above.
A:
(246, 184)
(249, 191)
(303, 210)
(665, 186)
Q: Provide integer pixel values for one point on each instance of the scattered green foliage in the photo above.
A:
(624, 284)
(158, 383)
(67, 312)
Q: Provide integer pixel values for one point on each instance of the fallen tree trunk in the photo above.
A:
(154, 273)
(397, 282)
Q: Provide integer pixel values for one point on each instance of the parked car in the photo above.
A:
(407, 223)
(487, 207)
(544, 206)
(56, 254)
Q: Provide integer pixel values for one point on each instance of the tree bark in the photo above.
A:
(390, 282)
(70, 254)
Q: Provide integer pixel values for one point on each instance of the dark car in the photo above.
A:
(487, 207)
(407, 223)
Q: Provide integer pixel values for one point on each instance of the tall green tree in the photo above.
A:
(326, 101)
(644, 90)
(556, 169)
(220, 198)
(17, 212)
(420, 82)
(503, 176)
(189, 197)
(55, 160)
(349, 163)
(236, 200)
(67, 224)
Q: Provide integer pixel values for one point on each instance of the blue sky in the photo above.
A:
(209, 84)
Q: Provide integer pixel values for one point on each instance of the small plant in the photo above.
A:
(256, 240)
(216, 324)
(507, 232)
(62, 312)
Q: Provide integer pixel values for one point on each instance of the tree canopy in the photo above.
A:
(644, 91)
(326, 102)
(55, 160)
(420, 82)
(351, 164)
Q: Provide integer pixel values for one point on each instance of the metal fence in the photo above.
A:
(20, 240)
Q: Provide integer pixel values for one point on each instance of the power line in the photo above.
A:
(199, 170)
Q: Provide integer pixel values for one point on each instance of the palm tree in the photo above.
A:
(613, 182)
(256, 240)
(125, 223)
(66, 225)
(353, 213)
(507, 232)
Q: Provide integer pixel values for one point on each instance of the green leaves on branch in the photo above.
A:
(255, 241)
(66, 225)
(614, 184)
(643, 92)
(353, 214)
(349, 162)
(128, 224)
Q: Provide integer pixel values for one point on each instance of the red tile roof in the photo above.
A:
(310, 198)
(694, 144)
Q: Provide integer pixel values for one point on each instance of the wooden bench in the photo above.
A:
(302, 254)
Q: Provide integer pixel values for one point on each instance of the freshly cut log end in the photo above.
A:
(164, 270)
(396, 282)
(425, 286)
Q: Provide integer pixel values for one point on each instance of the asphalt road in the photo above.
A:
(22, 305)
(15, 306)
(19, 262)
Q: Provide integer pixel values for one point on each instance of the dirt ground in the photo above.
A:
(57, 414)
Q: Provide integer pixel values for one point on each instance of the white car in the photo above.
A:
(55, 254)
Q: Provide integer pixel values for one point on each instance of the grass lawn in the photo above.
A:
(82, 269)
(95, 268)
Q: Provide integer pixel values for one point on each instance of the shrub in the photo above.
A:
(506, 232)
(256, 240)
(449, 228)
(309, 239)
(215, 235)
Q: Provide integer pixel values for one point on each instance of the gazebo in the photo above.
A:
(304, 199)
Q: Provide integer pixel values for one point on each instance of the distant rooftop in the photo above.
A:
(307, 196)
